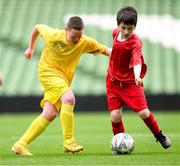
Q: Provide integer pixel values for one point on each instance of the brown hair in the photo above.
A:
(127, 15)
(76, 23)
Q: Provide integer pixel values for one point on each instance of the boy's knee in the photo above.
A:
(50, 115)
(116, 115)
(50, 111)
(144, 114)
(68, 98)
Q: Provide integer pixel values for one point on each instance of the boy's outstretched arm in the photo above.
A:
(30, 50)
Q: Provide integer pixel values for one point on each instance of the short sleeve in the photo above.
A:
(45, 31)
(93, 47)
(115, 32)
(137, 57)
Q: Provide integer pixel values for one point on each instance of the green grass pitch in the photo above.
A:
(93, 131)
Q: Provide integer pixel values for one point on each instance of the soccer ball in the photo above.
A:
(122, 143)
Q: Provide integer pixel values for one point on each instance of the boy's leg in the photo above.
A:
(152, 124)
(67, 123)
(34, 130)
(150, 121)
(117, 127)
(116, 121)
(136, 100)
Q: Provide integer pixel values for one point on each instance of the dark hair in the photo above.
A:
(127, 15)
(76, 23)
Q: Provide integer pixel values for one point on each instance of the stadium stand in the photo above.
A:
(18, 17)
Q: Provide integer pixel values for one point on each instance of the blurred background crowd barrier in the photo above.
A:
(158, 26)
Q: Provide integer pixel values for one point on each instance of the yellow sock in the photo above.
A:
(34, 130)
(67, 120)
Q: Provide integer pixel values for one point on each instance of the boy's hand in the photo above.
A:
(29, 53)
(139, 81)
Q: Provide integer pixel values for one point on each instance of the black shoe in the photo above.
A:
(163, 139)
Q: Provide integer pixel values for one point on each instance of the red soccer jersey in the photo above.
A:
(125, 55)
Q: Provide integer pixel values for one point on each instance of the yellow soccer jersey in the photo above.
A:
(60, 57)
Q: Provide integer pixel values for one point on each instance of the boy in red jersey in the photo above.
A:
(124, 79)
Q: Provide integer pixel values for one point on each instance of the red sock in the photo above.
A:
(117, 127)
(152, 124)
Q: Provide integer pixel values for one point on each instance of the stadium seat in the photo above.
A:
(17, 19)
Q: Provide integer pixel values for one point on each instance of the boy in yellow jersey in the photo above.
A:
(57, 65)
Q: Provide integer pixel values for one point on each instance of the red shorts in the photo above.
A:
(121, 94)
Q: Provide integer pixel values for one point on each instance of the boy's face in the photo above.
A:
(73, 35)
(126, 30)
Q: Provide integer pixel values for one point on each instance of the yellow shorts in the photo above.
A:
(54, 93)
